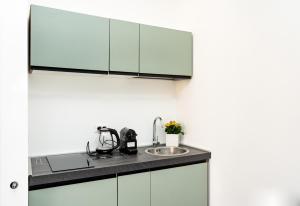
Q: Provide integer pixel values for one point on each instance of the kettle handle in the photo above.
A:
(115, 133)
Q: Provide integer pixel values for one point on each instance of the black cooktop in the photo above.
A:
(66, 162)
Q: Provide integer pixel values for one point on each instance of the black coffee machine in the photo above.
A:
(128, 143)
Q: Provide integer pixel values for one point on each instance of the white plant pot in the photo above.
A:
(172, 140)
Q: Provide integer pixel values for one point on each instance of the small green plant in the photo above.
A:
(173, 127)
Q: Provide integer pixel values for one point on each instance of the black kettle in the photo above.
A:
(109, 140)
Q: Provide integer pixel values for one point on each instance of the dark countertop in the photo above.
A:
(119, 164)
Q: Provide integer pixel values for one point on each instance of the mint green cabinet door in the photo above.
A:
(96, 193)
(180, 186)
(134, 190)
(65, 39)
(165, 51)
(124, 46)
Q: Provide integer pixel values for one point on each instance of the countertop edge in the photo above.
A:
(93, 174)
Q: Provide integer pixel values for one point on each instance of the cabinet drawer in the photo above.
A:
(96, 193)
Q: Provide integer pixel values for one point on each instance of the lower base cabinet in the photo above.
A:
(180, 186)
(134, 190)
(96, 193)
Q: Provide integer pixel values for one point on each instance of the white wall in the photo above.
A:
(13, 102)
(65, 109)
(243, 102)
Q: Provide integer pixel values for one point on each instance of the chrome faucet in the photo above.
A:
(155, 136)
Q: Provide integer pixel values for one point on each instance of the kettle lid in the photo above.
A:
(103, 129)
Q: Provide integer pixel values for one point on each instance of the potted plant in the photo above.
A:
(173, 130)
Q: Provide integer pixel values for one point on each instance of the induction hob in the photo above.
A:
(66, 162)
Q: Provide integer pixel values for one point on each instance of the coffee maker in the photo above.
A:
(128, 143)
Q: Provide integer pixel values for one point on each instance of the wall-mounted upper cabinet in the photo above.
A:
(165, 51)
(67, 40)
(124, 46)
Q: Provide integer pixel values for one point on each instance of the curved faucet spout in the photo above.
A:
(155, 136)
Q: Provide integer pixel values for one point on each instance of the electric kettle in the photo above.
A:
(109, 140)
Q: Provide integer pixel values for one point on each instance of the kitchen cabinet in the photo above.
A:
(95, 193)
(185, 185)
(179, 186)
(165, 51)
(134, 189)
(68, 40)
(124, 46)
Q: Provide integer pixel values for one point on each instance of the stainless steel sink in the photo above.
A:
(167, 151)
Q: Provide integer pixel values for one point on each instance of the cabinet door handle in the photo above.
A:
(14, 185)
